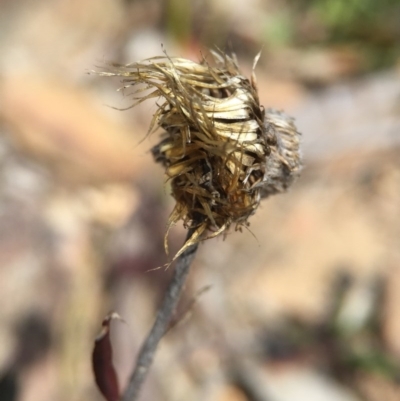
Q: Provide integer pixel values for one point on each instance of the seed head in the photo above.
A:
(221, 151)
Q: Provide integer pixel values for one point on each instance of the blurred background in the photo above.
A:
(306, 306)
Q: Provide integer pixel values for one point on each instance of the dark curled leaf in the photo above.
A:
(103, 368)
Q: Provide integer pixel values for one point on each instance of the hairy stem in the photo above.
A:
(163, 318)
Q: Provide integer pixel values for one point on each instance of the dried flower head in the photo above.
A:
(221, 150)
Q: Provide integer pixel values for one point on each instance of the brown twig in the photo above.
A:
(187, 312)
(163, 318)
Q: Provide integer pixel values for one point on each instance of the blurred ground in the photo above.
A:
(305, 307)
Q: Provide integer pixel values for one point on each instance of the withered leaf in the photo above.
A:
(103, 368)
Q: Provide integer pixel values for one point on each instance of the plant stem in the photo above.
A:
(163, 318)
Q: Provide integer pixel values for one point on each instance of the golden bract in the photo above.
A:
(221, 150)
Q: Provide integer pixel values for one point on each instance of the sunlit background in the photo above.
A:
(305, 306)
